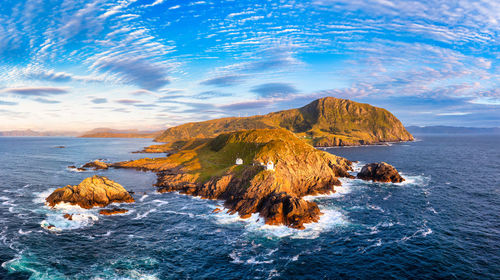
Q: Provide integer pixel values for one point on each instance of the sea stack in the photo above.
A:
(95, 191)
(380, 172)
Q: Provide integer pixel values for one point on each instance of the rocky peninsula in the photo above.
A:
(265, 171)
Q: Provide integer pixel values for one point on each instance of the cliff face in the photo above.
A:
(324, 122)
(207, 168)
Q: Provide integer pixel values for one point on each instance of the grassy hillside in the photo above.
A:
(324, 122)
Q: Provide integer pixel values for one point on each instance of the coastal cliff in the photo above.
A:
(277, 169)
(324, 122)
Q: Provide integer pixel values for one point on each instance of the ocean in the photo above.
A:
(442, 222)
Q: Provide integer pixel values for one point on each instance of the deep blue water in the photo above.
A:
(443, 222)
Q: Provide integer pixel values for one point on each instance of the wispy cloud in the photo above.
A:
(274, 90)
(137, 71)
(128, 101)
(35, 91)
(99, 100)
(223, 81)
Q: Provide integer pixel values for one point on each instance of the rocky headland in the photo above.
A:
(380, 172)
(95, 191)
(324, 122)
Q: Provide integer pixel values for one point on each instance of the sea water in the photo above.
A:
(442, 222)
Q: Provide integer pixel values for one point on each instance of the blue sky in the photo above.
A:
(77, 65)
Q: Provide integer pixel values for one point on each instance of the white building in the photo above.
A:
(270, 166)
(239, 161)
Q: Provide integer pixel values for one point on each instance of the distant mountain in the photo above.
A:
(441, 129)
(29, 132)
(324, 122)
(115, 133)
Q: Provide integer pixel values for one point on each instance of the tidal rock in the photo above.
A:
(94, 191)
(380, 172)
(96, 165)
(112, 211)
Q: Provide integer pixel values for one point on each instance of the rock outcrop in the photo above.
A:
(207, 168)
(380, 172)
(324, 122)
(96, 165)
(93, 191)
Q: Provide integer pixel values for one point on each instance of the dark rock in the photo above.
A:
(68, 216)
(112, 211)
(380, 172)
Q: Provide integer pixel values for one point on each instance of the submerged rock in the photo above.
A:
(94, 191)
(96, 165)
(380, 172)
(113, 211)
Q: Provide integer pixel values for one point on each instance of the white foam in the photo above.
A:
(80, 217)
(4, 198)
(143, 197)
(411, 180)
(255, 224)
(40, 197)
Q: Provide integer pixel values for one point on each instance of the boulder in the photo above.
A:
(380, 172)
(94, 191)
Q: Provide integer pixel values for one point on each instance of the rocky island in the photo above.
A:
(95, 191)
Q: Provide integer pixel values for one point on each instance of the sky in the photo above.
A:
(151, 64)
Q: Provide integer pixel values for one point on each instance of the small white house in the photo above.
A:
(270, 166)
(239, 161)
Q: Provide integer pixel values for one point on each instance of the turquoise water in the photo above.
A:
(443, 222)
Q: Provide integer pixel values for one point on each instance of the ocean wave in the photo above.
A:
(145, 214)
(143, 197)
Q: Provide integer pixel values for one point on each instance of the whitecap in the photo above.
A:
(143, 197)
(4, 198)
(20, 231)
(159, 202)
(144, 215)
